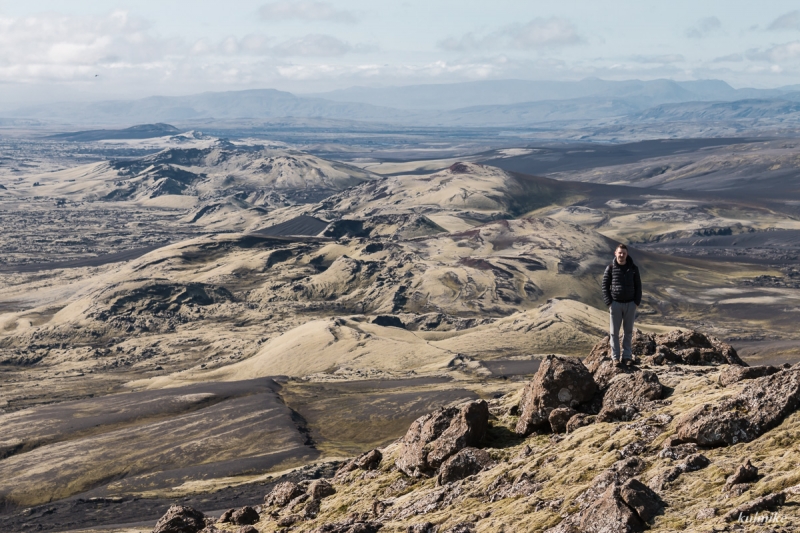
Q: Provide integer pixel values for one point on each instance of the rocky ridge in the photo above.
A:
(547, 458)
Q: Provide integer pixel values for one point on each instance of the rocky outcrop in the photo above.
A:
(735, 374)
(617, 412)
(559, 382)
(684, 347)
(465, 463)
(695, 348)
(744, 474)
(320, 489)
(433, 438)
(366, 461)
(282, 494)
(578, 421)
(559, 418)
(244, 516)
(641, 499)
(635, 389)
(180, 519)
(692, 463)
(762, 405)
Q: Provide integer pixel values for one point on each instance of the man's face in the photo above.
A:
(622, 255)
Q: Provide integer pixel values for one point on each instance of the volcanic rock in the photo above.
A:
(620, 412)
(559, 418)
(736, 374)
(180, 519)
(644, 501)
(762, 405)
(433, 438)
(366, 461)
(609, 513)
(247, 529)
(744, 473)
(244, 516)
(282, 494)
(320, 488)
(695, 348)
(578, 421)
(559, 382)
(466, 462)
(601, 366)
(634, 389)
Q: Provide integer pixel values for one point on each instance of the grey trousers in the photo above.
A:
(622, 314)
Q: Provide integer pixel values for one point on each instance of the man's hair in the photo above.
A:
(621, 246)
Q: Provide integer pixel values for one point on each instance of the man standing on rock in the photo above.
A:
(622, 293)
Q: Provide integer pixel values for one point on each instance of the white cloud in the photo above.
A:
(304, 10)
(313, 45)
(59, 47)
(787, 21)
(664, 59)
(543, 33)
(538, 33)
(780, 53)
(730, 58)
(319, 46)
(704, 28)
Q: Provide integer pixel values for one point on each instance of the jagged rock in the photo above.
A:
(503, 487)
(632, 450)
(225, 517)
(678, 451)
(734, 491)
(559, 382)
(744, 473)
(691, 464)
(424, 527)
(180, 519)
(559, 418)
(244, 516)
(600, 365)
(311, 510)
(289, 520)
(319, 489)
(578, 421)
(466, 462)
(736, 374)
(695, 348)
(282, 494)
(210, 529)
(641, 499)
(350, 525)
(765, 503)
(247, 529)
(621, 412)
(634, 389)
(617, 474)
(609, 514)
(762, 405)
(370, 460)
(433, 438)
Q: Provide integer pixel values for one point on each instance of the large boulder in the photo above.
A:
(560, 417)
(433, 438)
(465, 463)
(602, 367)
(635, 389)
(370, 460)
(244, 516)
(695, 348)
(283, 493)
(735, 374)
(559, 382)
(761, 406)
(641, 499)
(180, 519)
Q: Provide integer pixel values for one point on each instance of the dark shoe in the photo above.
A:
(627, 362)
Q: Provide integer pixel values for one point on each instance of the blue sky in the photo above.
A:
(65, 50)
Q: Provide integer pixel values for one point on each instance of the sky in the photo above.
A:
(87, 50)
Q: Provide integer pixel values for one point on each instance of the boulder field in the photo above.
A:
(689, 438)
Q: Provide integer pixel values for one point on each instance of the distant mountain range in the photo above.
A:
(504, 103)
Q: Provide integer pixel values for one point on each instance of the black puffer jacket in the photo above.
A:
(622, 283)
